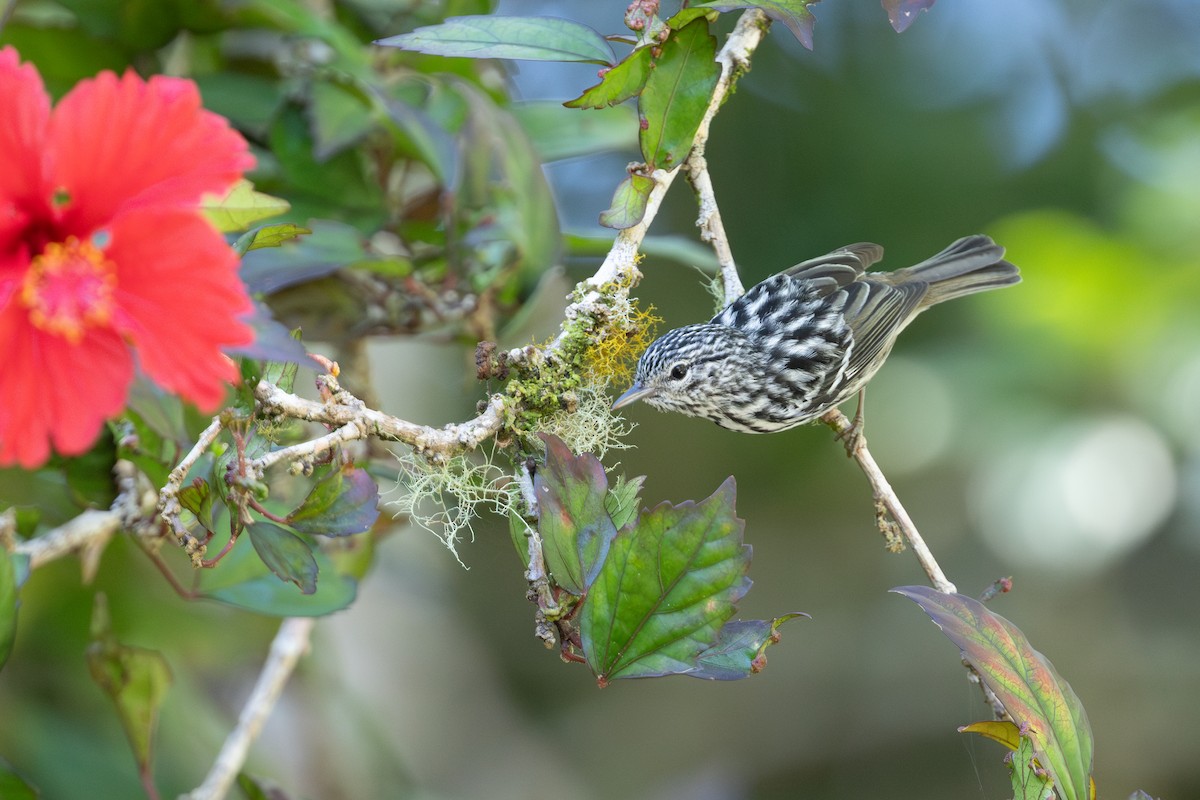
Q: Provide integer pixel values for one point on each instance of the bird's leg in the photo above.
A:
(853, 437)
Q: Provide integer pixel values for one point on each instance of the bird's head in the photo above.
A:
(694, 370)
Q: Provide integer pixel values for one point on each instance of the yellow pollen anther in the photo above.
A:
(69, 289)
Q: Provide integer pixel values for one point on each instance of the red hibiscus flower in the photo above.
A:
(106, 264)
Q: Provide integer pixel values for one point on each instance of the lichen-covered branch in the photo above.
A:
(344, 411)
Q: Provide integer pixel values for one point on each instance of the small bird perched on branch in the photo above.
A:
(803, 341)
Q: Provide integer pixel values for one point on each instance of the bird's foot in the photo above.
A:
(852, 437)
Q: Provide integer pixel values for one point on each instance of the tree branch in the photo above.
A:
(88, 533)
(93, 528)
(887, 496)
(344, 409)
(290, 643)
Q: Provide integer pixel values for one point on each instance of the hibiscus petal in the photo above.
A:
(56, 392)
(120, 144)
(23, 119)
(179, 299)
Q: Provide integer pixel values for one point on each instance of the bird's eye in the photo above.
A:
(679, 372)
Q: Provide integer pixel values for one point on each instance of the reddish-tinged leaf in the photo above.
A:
(902, 13)
(666, 589)
(1034, 695)
(628, 203)
(677, 94)
(792, 13)
(574, 524)
(344, 502)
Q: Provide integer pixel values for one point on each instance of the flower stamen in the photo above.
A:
(69, 289)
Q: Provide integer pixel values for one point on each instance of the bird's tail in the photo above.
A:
(972, 264)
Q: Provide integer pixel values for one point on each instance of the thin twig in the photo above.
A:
(351, 431)
(91, 529)
(886, 495)
(712, 229)
(290, 643)
(169, 507)
(734, 59)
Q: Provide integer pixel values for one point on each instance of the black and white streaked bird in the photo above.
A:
(805, 340)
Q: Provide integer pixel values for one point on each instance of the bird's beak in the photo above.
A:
(634, 393)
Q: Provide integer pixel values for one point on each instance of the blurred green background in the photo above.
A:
(1050, 432)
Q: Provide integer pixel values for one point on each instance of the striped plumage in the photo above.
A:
(805, 340)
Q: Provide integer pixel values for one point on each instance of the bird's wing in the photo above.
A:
(827, 273)
(877, 311)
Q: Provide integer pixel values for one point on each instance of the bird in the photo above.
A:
(807, 339)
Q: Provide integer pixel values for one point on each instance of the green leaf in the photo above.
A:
(339, 118)
(506, 213)
(351, 557)
(628, 203)
(618, 84)
(8, 605)
(197, 497)
(285, 554)
(902, 13)
(668, 585)
(283, 373)
(518, 531)
(330, 246)
(243, 581)
(136, 679)
(575, 527)
(558, 133)
(792, 13)
(740, 649)
(344, 502)
(257, 788)
(621, 502)
(1029, 782)
(13, 786)
(1026, 683)
(241, 207)
(268, 236)
(677, 94)
(523, 38)
(684, 16)
(249, 101)
(430, 143)
(336, 186)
